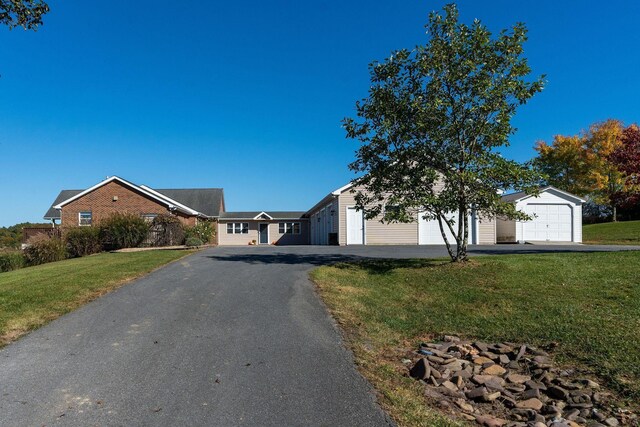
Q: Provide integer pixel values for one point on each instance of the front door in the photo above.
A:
(263, 234)
(355, 227)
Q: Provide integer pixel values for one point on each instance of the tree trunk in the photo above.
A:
(463, 235)
(444, 237)
(615, 213)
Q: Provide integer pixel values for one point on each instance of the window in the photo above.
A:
(84, 218)
(238, 228)
(289, 228)
(149, 217)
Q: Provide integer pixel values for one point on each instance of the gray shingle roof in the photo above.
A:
(204, 200)
(64, 195)
(272, 214)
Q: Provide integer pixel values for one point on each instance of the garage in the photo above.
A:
(556, 216)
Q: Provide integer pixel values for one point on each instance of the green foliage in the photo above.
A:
(82, 241)
(193, 242)
(11, 260)
(166, 230)
(11, 237)
(204, 231)
(436, 115)
(24, 13)
(123, 230)
(42, 249)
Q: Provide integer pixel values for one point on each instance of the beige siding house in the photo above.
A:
(263, 228)
(335, 220)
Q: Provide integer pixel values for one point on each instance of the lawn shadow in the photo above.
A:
(288, 259)
(386, 265)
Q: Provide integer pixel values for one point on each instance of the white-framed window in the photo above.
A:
(149, 217)
(289, 228)
(84, 218)
(238, 228)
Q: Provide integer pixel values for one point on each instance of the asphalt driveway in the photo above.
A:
(225, 337)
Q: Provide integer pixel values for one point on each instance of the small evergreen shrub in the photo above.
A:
(203, 231)
(166, 230)
(123, 230)
(193, 241)
(82, 241)
(42, 249)
(11, 260)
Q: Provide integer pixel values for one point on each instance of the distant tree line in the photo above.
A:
(11, 237)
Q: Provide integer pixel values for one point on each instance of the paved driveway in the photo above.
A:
(225, 337)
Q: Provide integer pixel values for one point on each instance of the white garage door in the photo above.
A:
(551, 222)
(429, 230)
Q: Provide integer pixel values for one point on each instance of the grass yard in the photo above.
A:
(612, 233)
(33, 296)
(588, 303)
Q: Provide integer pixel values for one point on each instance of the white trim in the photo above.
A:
(342, 189)
(545, 189)
(170, 200)
(122, 181)
(257, 217)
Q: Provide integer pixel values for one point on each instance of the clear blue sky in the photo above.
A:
(249, 95)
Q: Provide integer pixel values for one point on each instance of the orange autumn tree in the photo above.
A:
(581, 164)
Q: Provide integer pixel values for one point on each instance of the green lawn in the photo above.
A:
(612, 233)
(589, 303)
(32, 296)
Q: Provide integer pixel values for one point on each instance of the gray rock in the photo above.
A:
(421, 370)
(557, 392)
(532, 392)
(477, 393)
(611, 422)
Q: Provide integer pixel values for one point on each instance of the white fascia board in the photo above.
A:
(122, 181)
(557, 190)
(262, 213)
(171, 201)
(342, 189)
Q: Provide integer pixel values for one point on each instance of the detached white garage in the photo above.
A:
(557, 217)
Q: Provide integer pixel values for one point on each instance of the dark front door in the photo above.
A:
(263, 234)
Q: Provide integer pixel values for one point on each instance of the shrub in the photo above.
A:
(203, 231)
(123, 230)
(42, 249)
(82, 241)
(166, 230)
(11, 260)
(193, 241)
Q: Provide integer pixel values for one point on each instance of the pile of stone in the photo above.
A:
(509, 385)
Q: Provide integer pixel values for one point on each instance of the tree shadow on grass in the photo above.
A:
(371, 265)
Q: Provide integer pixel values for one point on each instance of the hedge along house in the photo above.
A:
(335, 220)
(114, 194)
(263, 228)
(556, 217)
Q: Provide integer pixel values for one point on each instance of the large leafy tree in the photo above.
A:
(432, 123)
(626, 157)
(581, 164)
(22, 13)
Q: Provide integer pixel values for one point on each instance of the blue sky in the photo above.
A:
(249, 95)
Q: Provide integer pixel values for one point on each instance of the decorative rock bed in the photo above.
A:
(511, 385)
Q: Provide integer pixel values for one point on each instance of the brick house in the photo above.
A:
(114, 194)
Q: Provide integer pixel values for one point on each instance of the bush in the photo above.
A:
(166, 230)
(193, 241)
(203, 231)
(42, 249)
(82, 241)
(11, 260)
(123, 230)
